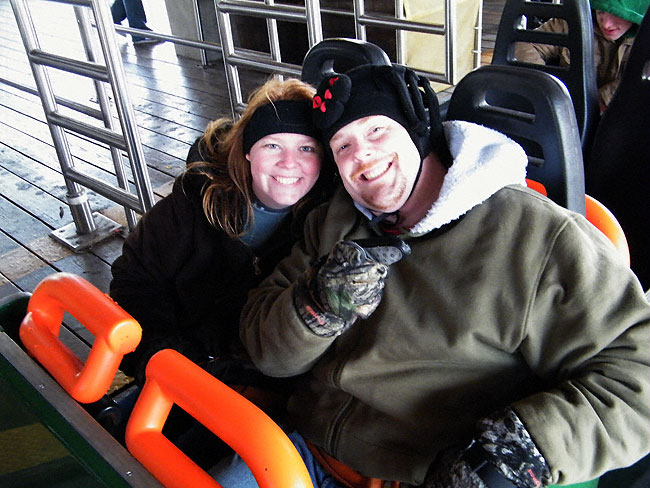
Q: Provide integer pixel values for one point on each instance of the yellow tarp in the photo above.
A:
(427, 51)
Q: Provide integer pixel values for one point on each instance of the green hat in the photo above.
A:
(630, 10)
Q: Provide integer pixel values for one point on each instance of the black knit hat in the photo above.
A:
(394, 91)
(281, 116)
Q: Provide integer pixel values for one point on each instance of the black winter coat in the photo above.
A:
(186, 281)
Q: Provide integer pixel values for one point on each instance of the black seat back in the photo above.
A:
(618, 170)
(544, 124)
(338, 55)
(580, 76)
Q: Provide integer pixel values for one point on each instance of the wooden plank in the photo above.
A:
(88, 266)
(7, 288)
(6, 243)
(21, 226)
(16, 111)
(108, 250)
(43, 177)
(34, 200)
(34, 145)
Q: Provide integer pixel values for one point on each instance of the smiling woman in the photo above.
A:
(284, 167)
(185, 271)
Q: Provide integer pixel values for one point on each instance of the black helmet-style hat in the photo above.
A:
(394, 91)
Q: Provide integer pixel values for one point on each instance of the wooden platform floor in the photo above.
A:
(173, 98)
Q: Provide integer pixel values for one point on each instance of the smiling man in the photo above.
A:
(453, 328)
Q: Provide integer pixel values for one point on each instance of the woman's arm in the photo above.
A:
(143, 276)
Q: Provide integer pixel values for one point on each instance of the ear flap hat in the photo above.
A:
(394, 91)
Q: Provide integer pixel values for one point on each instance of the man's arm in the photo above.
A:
(589, 333)
(315, 295)
(537, 53)
(588, 337)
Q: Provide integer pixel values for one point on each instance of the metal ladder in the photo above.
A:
(90, 227)
(310, 14)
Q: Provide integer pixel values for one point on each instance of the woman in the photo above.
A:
(186, 269)
(615, 25)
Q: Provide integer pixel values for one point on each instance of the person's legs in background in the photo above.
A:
(118, 11)
(133, 11)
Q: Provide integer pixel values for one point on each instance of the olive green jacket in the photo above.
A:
(506, 300)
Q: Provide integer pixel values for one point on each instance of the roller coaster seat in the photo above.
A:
(546, 130)
(171, 379)
(338, 55)
(544, 126)
(580, 76)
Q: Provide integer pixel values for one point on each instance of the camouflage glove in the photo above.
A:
(348, 284)
(503, 456)
(452, 471)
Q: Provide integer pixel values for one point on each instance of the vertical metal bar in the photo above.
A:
(228, 49)
(274, 38)
(76, 196)
(314, 22)
(478, 35)
(359, 28)
(450, 39)
(399, 33)
(199, 30)
(91, 47)
(117, 76)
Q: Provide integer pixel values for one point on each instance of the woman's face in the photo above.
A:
(284, 168)
(611, 26)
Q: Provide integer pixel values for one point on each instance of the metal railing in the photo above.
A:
(311, 14)
(89, 227)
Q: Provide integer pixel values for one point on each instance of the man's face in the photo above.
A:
(378, 162)
(611, 26)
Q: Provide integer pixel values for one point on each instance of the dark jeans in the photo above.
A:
(133, 11)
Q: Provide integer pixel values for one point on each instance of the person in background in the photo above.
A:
(187, 267)
(615, 25)
(452, 327)
(133, 11)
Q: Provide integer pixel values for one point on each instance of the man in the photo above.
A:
(509, 348)
(615, 25)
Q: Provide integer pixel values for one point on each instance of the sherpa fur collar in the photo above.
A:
(484, 161)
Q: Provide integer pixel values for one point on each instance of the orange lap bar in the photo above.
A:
(601, 217)
(116, 333)
(174, 379)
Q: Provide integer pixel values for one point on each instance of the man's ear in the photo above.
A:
(248, 157)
